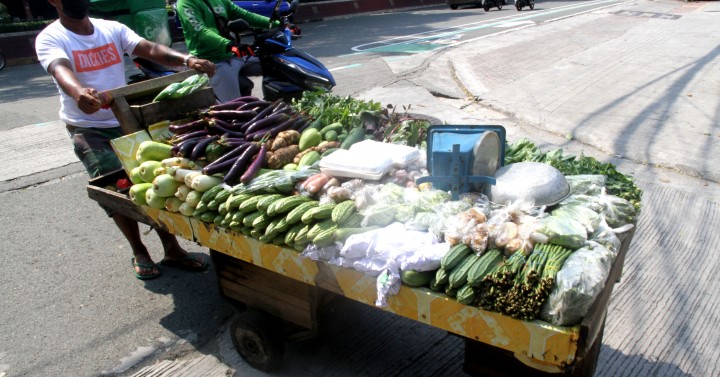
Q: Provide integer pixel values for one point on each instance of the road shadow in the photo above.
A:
(26, 82)
(614, 362)
(199, 310)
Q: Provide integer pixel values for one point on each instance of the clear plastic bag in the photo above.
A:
(510, 227)
(584, 215)
(563, 231)
(586, 184)
(616, 211)
(588, 201)
(577, 284)
(274, 182)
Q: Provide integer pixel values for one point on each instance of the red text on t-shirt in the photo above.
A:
(96, 58)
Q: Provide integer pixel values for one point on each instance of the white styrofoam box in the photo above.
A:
(355, 164)
(401, 155)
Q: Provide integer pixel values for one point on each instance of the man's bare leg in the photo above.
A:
(131, 231)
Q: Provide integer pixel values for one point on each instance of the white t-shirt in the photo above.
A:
(97, 60)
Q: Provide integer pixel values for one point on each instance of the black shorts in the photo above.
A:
(92, 147)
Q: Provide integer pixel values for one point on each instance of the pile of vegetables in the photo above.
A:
(383, 123)
(233, 139)
(251, 166)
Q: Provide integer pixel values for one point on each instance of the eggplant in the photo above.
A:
(187, 127)
(271, 132)
(255, 166)
(226, 125)
(187, 146)
(225, 161)
(220, 130)
(199, 149)
(226, 106)
(232, 141)
(231, 114)
(301, 123)
(240, 164)
(254, 105)
(264, 112)
(245, 99)
(188, 136)
(270, 120)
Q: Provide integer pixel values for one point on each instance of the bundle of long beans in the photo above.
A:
(533, 285)
(496, 284)
(525, 282)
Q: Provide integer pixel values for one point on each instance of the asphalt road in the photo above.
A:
(71, 306)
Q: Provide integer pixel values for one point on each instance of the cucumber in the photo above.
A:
(337, 127)
(416, 278)
(454, 256)
(357, 134)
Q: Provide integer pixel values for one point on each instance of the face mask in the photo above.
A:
(77, 9)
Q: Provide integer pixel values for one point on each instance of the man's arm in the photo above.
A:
(87, 98)
(164, 55)
(255, 20)
(199, 27)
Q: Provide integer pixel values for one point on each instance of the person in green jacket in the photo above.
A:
(206, 41)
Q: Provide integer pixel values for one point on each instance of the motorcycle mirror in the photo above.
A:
(238, 26)
(294, 5)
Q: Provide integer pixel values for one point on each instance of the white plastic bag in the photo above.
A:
(426, 258)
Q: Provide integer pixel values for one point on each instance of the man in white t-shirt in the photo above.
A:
(85, 57)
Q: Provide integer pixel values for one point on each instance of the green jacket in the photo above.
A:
(200, 30)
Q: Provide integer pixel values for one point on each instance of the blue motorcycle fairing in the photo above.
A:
(304, 60)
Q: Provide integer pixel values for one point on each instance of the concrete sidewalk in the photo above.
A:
(639, 81)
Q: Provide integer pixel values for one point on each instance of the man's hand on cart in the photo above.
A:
(88, 100)
(201, 65)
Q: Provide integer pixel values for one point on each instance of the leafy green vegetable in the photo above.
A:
(329, 108)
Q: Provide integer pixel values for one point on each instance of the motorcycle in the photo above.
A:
(150, 70)
(287, 70)
(519, 4)
(487, 4)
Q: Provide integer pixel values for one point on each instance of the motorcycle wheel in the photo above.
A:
(454, 6)
(499, 6)
(532, 4)
(518, 6)
(2, 61)
(486, 6)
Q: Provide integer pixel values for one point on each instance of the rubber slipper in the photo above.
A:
(148, 266)
(189, 263)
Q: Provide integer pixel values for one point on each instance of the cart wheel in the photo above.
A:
(532, 4)
(453, 6)
(258, 338)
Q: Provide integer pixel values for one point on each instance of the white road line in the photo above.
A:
(344, 67)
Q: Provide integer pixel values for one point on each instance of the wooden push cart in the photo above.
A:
(280, 287)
